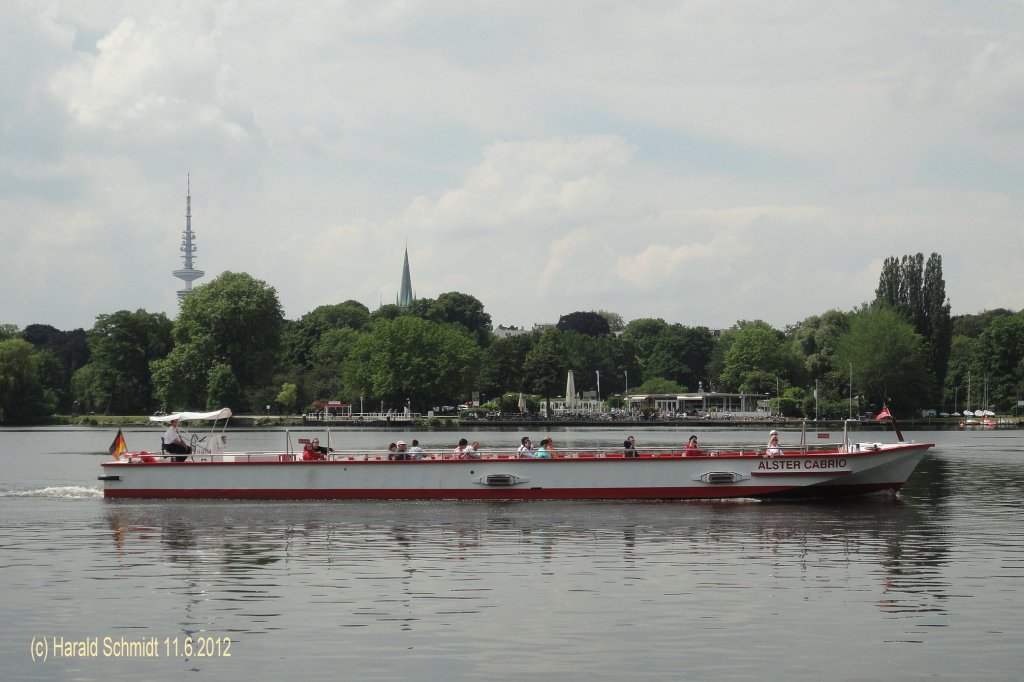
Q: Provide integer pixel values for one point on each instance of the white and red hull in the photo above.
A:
(865, 468)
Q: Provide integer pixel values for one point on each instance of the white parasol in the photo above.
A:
(570, 392)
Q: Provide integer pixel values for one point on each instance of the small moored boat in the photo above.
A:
(210, 472)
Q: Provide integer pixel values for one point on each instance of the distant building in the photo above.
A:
(405, 294)
(503, 332)
(702, 403)
(187, 274)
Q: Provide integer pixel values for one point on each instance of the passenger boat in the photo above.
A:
(210, 472)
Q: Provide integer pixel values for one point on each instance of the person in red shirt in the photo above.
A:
(312, 451)
(691, 446)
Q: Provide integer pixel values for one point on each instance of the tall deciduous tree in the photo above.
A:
(816, 338)
(589, 323)
(235, 320)
(1000, 354)
(324, 380)
(502, 367)
(222, 388)
(70, 350)
(757, 358)
(122, 345)
(681, 354)
(23, 399)
(615, 321)
(545, 370)
(457, 308)
(305, 333)
(410, 359)
(917, 291)
(639, 337)
(888, 358)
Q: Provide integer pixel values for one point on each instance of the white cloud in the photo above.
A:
(694, 161)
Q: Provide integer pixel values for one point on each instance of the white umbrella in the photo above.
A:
(570, 392)
(522, 403)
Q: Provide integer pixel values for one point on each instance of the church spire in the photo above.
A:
(405, 294)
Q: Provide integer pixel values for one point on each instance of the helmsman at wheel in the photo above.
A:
(173, 442)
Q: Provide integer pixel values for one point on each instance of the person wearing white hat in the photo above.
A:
(773, 444)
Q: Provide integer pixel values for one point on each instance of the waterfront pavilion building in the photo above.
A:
(706, 403)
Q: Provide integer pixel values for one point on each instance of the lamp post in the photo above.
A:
(627, 392)
(778, 401)
(815, 400)
(851, 390)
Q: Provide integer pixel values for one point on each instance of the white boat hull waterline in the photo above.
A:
(851, 469)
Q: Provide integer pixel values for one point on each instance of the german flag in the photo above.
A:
(118, 447)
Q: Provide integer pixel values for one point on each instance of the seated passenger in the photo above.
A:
(543, 452)
(402, 450)
(174, 444)
(312, 451)
(525, 449)
(691, 447)
(629, 447)
(773, 444)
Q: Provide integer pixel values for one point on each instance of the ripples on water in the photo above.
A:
(928, 585)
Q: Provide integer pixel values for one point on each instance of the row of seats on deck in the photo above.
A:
(611, 455)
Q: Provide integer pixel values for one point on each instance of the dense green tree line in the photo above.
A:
(230, 345)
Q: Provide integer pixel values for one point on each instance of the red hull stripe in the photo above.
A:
(486, 494)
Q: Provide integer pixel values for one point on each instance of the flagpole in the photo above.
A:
(896, 427)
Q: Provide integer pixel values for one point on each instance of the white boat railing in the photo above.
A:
(212, 449)
(491, 454)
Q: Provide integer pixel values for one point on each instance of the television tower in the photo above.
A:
(188, 274)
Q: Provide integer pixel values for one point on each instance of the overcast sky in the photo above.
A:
(704, 162)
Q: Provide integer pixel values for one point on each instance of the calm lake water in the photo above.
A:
(929, 585)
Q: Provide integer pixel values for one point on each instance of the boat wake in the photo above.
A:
(58, 491)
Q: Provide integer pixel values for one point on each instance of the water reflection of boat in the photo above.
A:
(807, 470)
(890, 552)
